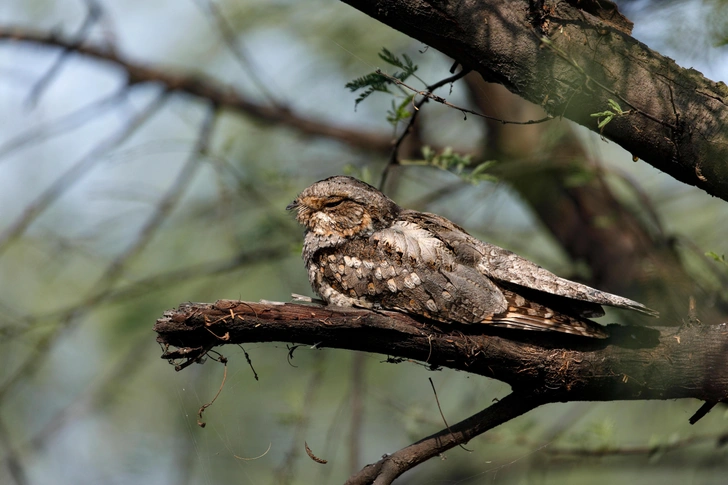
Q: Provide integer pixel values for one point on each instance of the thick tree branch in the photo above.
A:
(635, 363)
(571, 62)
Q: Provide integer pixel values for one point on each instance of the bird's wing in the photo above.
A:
(449, 291)
(477, 299)
(501, 264)
(504, 266)
(405, 268)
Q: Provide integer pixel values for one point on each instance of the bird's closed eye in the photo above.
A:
(333, 203)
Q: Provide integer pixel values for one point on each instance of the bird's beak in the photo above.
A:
(292, 205)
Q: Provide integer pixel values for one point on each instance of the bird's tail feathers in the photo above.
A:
(547, 323)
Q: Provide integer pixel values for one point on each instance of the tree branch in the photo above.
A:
(203, 86)
(635, 363)
(572, 62)
(391, 466)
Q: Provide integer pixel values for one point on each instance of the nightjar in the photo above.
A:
(363, 250)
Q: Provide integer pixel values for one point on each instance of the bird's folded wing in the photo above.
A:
(500, 264)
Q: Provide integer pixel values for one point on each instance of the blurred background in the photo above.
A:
(120, 199)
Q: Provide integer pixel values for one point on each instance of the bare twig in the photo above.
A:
(702, 411)
(240, 53)
(208, 88)
(224, 363)
(250, 363)
(63, 124)
(165, 205)
(719, 440)
(92, 16)
(394, 155)
(15, 466)
(386, 470)
(442, 415)
(441, 100)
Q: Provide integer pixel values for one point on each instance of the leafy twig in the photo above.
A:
(394, 156)
(466, 111)
(604, 117)
(372, 82)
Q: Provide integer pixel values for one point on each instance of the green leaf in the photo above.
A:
(408, 67)
(601, 114)
(604, 122)
(613, 104)
(715, 256)
(483, 167)
(400, 112)
(373, 82)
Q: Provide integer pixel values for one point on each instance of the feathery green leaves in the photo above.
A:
(373, 82)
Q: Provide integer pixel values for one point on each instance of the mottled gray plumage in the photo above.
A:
(361, 249)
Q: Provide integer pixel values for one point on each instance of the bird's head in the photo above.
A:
(344, 207)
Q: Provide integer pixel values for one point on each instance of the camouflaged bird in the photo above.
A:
(363, 250)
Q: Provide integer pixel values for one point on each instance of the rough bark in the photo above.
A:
(676, 118)
(634, 363)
